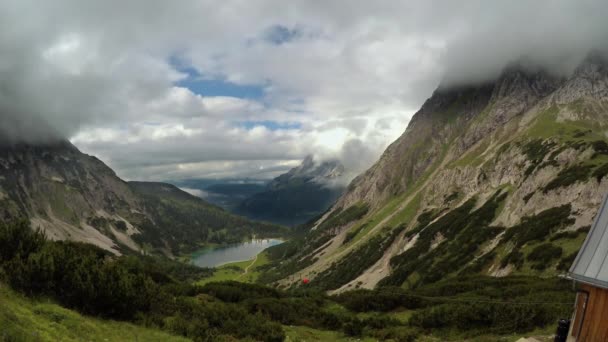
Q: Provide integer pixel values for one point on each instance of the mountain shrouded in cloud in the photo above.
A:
(202, 89)
(299, 195)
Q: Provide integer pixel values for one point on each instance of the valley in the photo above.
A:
(214, 257)
(296, 171)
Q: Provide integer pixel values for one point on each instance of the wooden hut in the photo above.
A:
(590, 272)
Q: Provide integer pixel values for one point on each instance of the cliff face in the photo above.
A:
(73, 196)
(484, 178)
(59, 189)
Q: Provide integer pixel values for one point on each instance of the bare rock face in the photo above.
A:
(589, 80)
(61, 189)
(513, 164)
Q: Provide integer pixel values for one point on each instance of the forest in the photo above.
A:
(159, 293)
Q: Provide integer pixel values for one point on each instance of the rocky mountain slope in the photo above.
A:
(498, 178)
(74, 196)
(298, 195)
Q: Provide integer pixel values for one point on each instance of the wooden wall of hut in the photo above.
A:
(591, 323)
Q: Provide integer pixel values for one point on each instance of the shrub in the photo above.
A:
(344, 217)
(600, 146)
(539, 226)
(515, 257)
(600, 172)
(357, 261)
(566, 262)
(383, 299)
(569, 176)
(464, 231)
(542, 255)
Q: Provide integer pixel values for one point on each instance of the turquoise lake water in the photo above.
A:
(214, 257)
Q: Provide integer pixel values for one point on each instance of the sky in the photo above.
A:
(168, 90)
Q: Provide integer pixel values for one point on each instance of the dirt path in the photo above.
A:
(248, 267)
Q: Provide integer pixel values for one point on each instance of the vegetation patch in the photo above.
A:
(509, 305)
(464, 232)
(451, 197)
(569, 176)
(357, 261)
(528, 196)
(566, 262)
(600, 147)
(515, 258)
(344, 217)
(535, 151)
(538, 227)
(571, 234)
(542, 255)
(136, 291)
(352, 233)
(600, 172)
(182, 222)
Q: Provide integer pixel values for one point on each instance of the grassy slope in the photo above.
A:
(301, 334)
(236, 270)
(23, 319)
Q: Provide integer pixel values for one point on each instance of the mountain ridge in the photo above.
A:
(74, 196)
(298, 195)
(525, 145)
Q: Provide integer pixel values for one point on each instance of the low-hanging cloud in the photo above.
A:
(350, 74)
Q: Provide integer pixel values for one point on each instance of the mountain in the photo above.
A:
(502, 178)
(225, 193)
(298, 195)
(74, 196)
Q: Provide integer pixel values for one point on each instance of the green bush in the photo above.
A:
(538, 227)
(600, 146)
(357, 261)
(542, 255)
(515, 257)
(566, 262)
(479, 305)
(600, 172)
(569, 176)
(344, 217)
(383, 299)
(464, 231)
(571, 234)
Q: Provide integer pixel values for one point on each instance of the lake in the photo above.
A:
(214, 257)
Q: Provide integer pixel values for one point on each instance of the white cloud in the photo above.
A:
(345, 84)
(196, 192)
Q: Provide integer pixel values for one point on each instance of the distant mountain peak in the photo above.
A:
(310, 171)
(299, 194)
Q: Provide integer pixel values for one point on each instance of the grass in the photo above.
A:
(472, 158)
(236, 270)
(546, 126)
(407, 214)
(23, 319)
(301, 334)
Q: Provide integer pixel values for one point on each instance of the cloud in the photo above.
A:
(169, 90)
(196, 192)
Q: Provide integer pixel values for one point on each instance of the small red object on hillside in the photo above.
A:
(305, 281)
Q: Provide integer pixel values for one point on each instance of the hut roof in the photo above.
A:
(591, 263)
